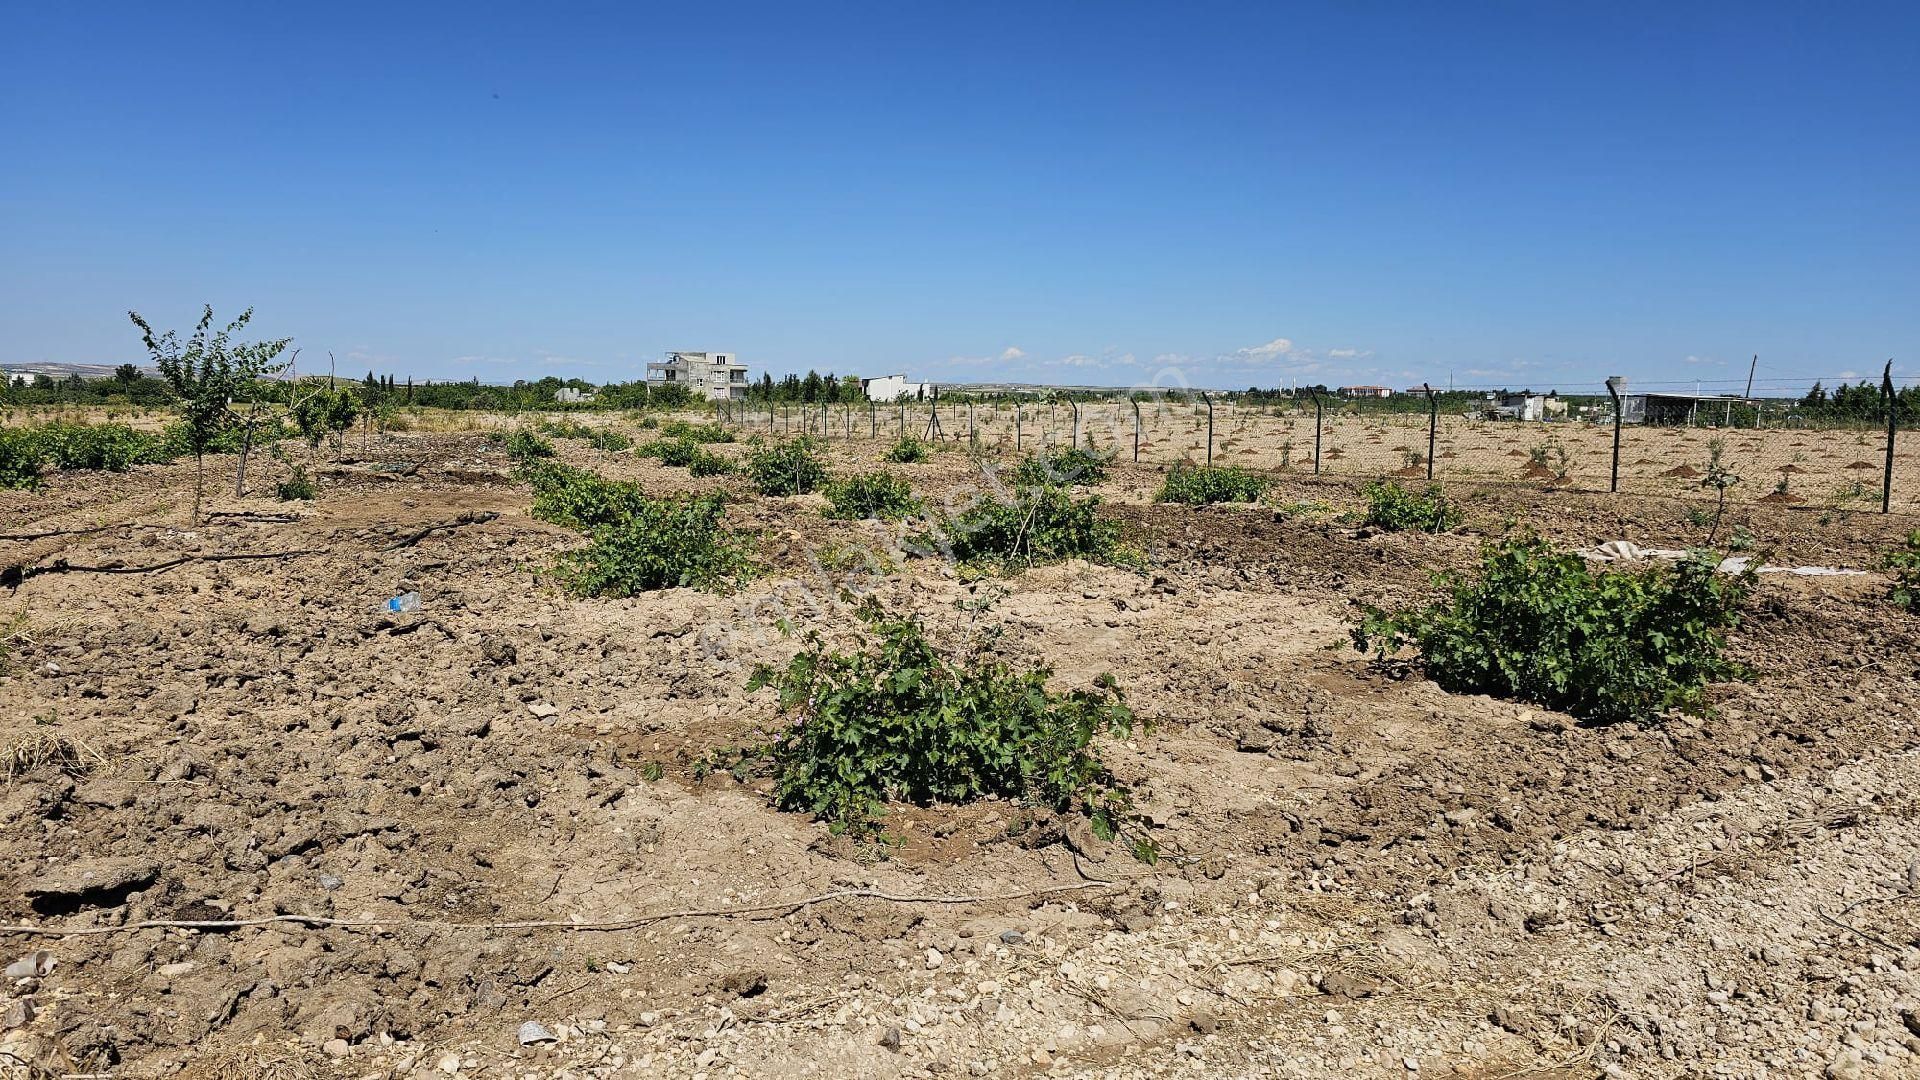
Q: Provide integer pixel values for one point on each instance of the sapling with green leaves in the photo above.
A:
(207, 374)
(1719, 479)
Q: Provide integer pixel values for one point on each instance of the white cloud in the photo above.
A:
(1013, 352)
(1277, 348)
(1349, 354)
(1702, 360)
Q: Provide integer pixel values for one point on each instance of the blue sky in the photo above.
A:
(1084, 193)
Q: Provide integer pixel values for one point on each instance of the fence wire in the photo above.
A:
(1771, 455)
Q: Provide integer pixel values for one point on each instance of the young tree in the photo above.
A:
(205, 376)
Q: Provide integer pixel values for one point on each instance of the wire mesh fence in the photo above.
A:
(1765, 450)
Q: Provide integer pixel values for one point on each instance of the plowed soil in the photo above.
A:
(1361, 874)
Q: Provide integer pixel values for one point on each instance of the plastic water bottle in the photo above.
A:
(407, 601)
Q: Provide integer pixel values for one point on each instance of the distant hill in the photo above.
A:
(61, 371)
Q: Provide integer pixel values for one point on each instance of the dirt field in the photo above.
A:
(1831, 469)
(1363, 875)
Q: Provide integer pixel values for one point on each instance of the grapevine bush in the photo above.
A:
(1538, 625)
(1034, 525)
(1185, 484)
(1067, 465)
(898, 719)
(1396, 509)
(872, 495)
(788, 467)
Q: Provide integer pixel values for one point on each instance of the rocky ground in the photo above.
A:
(1363, 875)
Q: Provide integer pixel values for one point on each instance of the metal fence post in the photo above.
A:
(1893, 418)
(873, 420)
(1615, 383)
(1136, 431)
(1019, 413)
(1433, 426)
(1316, 432)
(933, 413)
(1076, 423)
(823, 422)
(1208, 398)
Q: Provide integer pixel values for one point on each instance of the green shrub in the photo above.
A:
(176, 442)
(909, 451)
(598, 438)
(787, 467)
(872, 495)
(637, 542)
(1036, 525)
(22, 456)
(898, 719)
(1063, 465)
(1185, 484)
(580, 499)
(1396, 509)
(707, 463)
(297, 486)
(109, 447)
(679, 453)
(1905, 567)
(1533, 624)
(526, 446)
(324, 412)
(660, 543)
(700, 433)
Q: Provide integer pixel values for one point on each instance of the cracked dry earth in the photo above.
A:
(1363, 875)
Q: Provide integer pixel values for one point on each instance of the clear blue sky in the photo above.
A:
(1533, 193)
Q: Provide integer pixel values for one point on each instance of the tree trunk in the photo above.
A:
(199, 479)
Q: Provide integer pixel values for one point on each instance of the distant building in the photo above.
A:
(1366, 391)
(1677, 409)
(567, 395)
(888, 388)
(714, 376)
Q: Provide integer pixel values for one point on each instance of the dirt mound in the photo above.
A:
(1856, 465)
(1536, 471)
(1791, 468)
(1779, 498)
(1683, 472)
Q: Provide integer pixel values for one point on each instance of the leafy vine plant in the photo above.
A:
(898, 719)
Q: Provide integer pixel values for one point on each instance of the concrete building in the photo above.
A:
(713, 375)
(1366, 391)
(889, 388)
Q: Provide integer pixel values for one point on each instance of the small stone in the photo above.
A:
(890, 1039)
(1012, 937)
(618, 968)
(1203, 1022)
(934, 959)
(533, 1031)
(19, 1014)
(1412, 1063)
(174, 971)
(330, 882)
(449, 1063)
(1351, 987)
(543, 709)
(337, 1048)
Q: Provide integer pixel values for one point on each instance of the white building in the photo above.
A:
(889, 388)
(715, 376)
